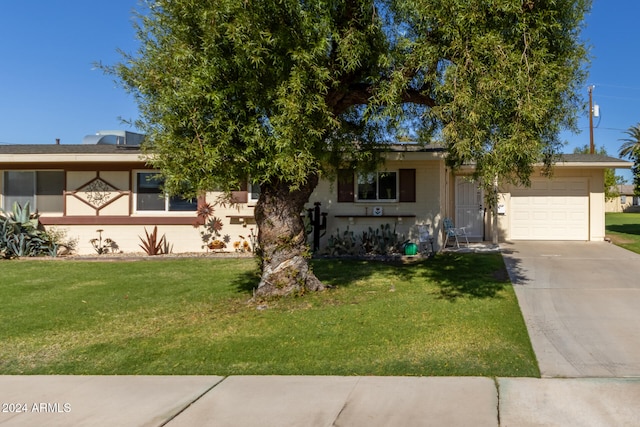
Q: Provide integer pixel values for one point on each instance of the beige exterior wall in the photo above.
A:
(622, 203)
(183, 238)
(238, 224)
(616, 204)
(435, 200)
(127, 237)
(405, 217)
(85, 214)
(76, 179)
(596, 205)
(116, 193)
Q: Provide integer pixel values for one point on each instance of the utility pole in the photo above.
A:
(592, 147)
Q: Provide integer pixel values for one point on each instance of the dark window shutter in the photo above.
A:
(345, 185)
(241, 196)
(407, 185)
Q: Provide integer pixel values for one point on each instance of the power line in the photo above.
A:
(599, 128)
(618, 97)
(622, 130)
(617, 87)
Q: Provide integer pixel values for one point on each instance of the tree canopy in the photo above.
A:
(631, 150)
(284, 91)
(286, 88)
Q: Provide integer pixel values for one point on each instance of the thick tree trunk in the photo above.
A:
(283, 240)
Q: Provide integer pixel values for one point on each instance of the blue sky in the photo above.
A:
(49, 87)
(613, 34)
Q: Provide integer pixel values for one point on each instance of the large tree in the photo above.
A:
(287, 91)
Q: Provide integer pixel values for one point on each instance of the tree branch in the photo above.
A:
(340, 100)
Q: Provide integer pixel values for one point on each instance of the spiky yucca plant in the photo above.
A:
(151, 245)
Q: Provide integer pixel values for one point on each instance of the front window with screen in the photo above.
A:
(377, 186)
(151, 197)
(43, 190)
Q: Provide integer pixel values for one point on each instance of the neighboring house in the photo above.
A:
(85, 188)
(625, 202)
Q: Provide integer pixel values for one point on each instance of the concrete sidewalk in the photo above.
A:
(316, 401)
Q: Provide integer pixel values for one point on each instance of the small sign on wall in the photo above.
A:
(377, 211)
(502, 209)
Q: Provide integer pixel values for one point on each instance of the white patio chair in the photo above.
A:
(425, 240)
(454, 233)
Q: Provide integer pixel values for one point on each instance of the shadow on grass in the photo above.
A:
(332, 272)
(624, 228)
(453, 275)
(247, 281)
(516, 273)
(467, 275)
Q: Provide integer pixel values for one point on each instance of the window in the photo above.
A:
(377, 186)
(150, 197)
(249, 192)
(254, 192)
(43, 190)
(389, 186)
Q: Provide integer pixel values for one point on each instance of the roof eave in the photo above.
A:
(593, 165)
(74, 157)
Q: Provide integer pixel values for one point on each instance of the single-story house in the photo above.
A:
(83, 188)
(626, 201)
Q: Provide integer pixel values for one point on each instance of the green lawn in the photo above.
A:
(455, 314)
(624, 230)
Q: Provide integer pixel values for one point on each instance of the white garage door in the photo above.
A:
(552, 209)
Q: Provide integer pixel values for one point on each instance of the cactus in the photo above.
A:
(380, 241)
(342, 244)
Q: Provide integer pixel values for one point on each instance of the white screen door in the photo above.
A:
(469, 208)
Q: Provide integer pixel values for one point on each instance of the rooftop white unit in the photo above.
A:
(114, 137)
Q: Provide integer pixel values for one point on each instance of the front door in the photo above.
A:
(469, 208)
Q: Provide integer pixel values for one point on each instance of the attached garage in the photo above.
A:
(551, 209)
(567, 206)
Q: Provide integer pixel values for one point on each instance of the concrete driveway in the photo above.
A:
(581, 304)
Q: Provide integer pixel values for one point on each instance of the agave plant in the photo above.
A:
(22, 215)
(21, 234)
(151, 245)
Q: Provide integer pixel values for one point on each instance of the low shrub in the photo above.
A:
(22, 235)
